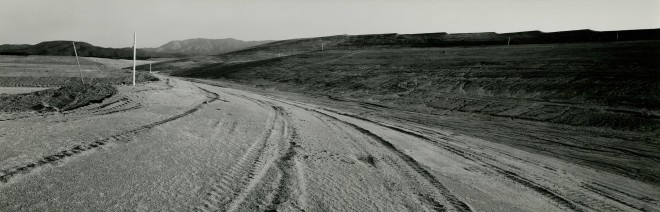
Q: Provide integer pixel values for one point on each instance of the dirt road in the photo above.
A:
(182, 146)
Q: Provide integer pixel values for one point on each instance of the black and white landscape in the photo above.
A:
(432, 120)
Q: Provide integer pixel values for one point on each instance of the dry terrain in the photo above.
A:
(560, 100)
(372, 123)
(180, 146)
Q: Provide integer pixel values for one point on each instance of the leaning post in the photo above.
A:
(78, 61)
(134, 52)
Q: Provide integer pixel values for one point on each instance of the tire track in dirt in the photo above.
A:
(273, 156)
(468, 155)
(579, 201)
(292, 178)
(426, 194)
(76, 150)
(225, 192)
(230, 191)
(582, 201)
(276, 186)
(429, 197)
(417, 168)
(570, 199)
(612, 194)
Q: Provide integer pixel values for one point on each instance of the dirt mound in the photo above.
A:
(61, 99)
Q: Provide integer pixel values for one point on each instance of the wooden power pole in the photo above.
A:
(78, 61)
(134, 52)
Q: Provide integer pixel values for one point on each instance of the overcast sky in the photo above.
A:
(110, 23)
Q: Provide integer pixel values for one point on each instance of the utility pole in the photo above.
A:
(150, 67)
(78, 61)
(134, 52)
(321, 46)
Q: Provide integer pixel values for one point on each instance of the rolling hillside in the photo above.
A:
(389, 41)
(202, 46)
(65, 48)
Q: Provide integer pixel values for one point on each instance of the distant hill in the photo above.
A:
(440, 39)
(203, 46)
(12, 47)
(65, 48)
(393, 40)
(492, 38)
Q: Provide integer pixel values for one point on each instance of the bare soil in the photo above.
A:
(553, 127)
(181, 146)
(60, 99)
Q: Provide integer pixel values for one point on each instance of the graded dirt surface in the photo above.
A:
(594, 104)
(176, 145)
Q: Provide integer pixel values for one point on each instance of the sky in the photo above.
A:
(111, 23)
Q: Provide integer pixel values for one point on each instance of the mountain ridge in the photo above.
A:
(176, 48)
(206, 46)
(84, 49)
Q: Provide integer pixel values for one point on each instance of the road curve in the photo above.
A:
(223, 149)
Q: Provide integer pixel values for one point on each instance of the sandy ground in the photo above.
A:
(181, 146)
